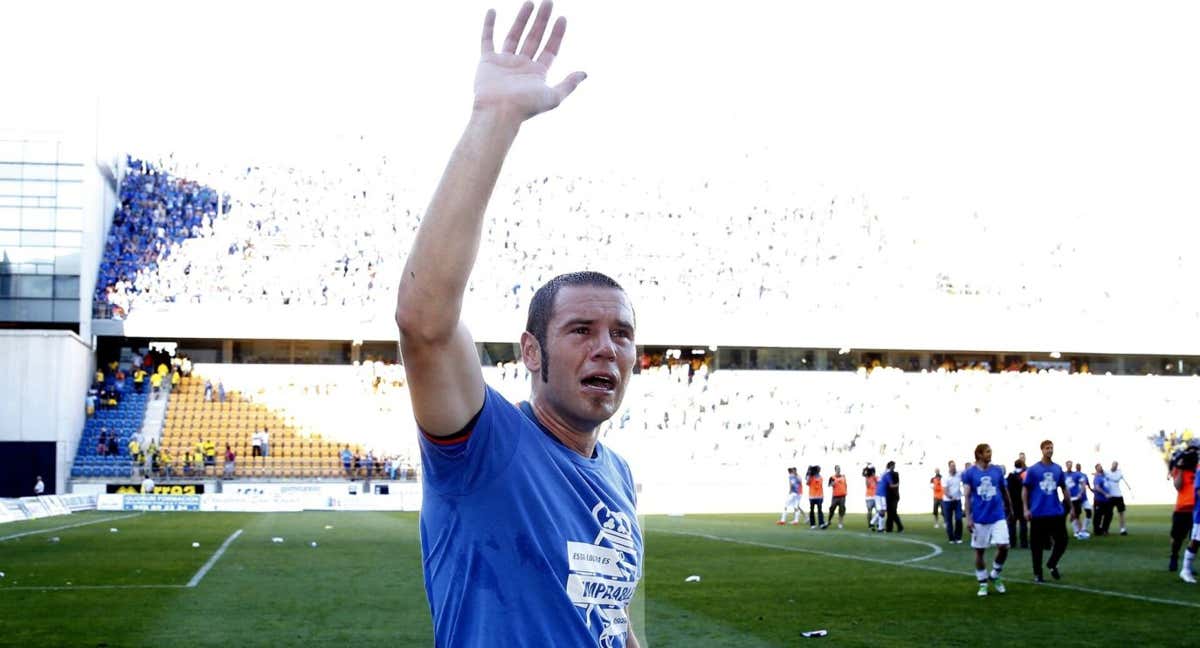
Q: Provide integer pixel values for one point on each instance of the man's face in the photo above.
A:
(986, 455)
(1114, 465)
(1048, 452)
(591, 351)
(1069, 466)
(1099, 469)
(952, 467)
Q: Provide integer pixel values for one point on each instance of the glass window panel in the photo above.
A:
(9, 186)
(25, 268)
(35, 238)
(66, 310)
(70, 194)
(68, 239)
(10, 151)
(45, 269)
(38, 172)
(26, 310)
(66, 287)
(69, 219)
(37, 219)
(32, 286)
(10, 218)
(67, 262)
(10, 237)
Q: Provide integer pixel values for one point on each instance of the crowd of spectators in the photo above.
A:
(333, 236)
(157, 213)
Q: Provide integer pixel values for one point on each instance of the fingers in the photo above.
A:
(552, 45)
(534, 39)
(489, 26)
(568, 85)
(514, 34)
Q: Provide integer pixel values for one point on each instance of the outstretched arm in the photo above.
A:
(440, 361)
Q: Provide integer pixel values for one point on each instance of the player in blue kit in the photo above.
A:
(987, 512)
(529, 534)
(1044, 481)
(795, 491)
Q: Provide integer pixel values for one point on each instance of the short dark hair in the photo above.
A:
(541, 307)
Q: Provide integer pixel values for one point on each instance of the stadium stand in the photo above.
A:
(124, 420)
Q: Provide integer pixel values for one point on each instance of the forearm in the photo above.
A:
(447, 243)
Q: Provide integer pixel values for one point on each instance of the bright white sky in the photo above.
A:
(1087, 106)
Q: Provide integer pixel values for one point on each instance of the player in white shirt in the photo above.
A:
(1115, 498)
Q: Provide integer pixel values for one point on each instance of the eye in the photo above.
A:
(581, 330)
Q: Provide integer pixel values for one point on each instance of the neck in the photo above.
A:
(1046, 460)
(582, 441)
(983, 465)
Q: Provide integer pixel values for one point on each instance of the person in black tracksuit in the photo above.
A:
(1017, 520)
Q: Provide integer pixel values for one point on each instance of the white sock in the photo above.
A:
(981, 575)
(996, 567)
(783, 518)
(1188, 557)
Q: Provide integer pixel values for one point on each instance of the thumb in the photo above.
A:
(568, 85)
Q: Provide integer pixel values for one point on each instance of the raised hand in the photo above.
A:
(514, 82)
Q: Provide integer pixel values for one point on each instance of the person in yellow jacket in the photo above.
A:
(156, 381)
(135, 451)
(139, 379)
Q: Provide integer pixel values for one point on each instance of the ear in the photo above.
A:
(531, 353)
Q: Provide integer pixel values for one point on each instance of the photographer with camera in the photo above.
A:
(816, 498)
(1183, 473)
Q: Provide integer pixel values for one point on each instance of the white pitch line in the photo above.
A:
(68, 526)
(43, 588)
(910, 564)
(215, 557)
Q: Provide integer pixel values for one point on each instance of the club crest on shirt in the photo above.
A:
(1048, 483)
(604, 574)
(986, 490)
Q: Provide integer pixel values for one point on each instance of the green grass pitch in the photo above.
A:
(761, 585)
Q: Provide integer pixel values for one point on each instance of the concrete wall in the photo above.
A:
(44, 376)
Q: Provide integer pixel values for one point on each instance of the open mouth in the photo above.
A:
(599, 383)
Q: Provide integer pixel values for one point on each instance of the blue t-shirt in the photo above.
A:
(1098, 488)
(1196, 506)
(1043, 482)
(1081, 480)
(1073, 486)
(881, 487)
(987, 502)
(793, 484)
(524, 541)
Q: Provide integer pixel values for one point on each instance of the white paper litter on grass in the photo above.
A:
(314, 544)
(277, 540)
(54, 539)
(692, 579)
(812, 634)
(195, 544)
(112, 530)
(328, 526)
(1, 574)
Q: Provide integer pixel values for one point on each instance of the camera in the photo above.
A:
(868, 470)
(1186, 458)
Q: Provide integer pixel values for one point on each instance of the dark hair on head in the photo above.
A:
(979, 450)
(541, 307)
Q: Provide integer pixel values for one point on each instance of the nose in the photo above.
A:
(605, 346)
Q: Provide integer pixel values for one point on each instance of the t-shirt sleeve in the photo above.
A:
(1029, 479)
(464, 462)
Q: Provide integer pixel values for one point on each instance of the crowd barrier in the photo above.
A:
(32, 508)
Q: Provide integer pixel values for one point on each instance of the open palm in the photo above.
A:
(514, 81)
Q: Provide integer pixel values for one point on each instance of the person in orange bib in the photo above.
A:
(816, 498)
(936, 484)
(838, 483)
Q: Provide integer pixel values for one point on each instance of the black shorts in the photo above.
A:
(1077, 507)
(1117, 503)
(1181, 525)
